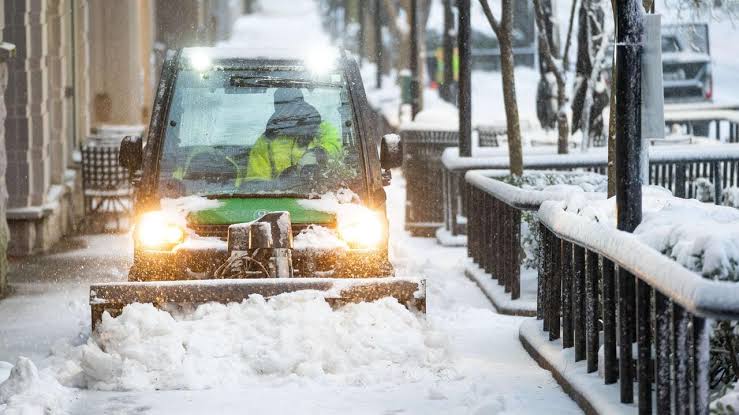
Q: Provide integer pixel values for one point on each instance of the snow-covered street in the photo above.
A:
(476, 364)
(266, 276)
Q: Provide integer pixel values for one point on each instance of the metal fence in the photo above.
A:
(592, 286)
(422, 169)
(677, 168)
(495, 210)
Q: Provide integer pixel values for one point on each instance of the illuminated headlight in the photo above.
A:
(200, 61)
(155, 231)
(321, 60)
(362, 229)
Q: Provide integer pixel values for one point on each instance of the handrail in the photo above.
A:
(542, 158)
(698, 295)
(516, 197)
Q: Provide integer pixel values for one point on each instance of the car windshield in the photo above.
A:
(246, 132)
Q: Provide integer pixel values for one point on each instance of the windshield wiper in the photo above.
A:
(260, 196)
(262, 82)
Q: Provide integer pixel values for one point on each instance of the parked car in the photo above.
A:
(686, 63)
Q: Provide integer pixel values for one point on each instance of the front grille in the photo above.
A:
(221, 231)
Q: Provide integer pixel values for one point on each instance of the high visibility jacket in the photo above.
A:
(271, 156)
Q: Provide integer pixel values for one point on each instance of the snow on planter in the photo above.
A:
(291, 336)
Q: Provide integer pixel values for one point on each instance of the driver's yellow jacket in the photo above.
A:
(270, 157)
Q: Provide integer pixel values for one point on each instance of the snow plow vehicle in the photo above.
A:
(259, 175)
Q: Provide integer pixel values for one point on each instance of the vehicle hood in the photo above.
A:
(240, 210)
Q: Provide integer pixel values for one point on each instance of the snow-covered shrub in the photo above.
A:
(704, 190)
(730, 197)
(529, 240)
(551, 182)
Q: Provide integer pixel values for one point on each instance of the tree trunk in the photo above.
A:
(505, 39)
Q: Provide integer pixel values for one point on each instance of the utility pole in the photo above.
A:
(465, 77)
(447, 86)
(415, 83)
(379, 52)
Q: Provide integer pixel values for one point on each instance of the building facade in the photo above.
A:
(78, 65)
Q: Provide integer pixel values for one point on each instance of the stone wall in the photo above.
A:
(39, 124)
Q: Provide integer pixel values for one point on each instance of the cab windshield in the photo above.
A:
(248, 132)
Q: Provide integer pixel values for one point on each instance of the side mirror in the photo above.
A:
(387, 177)
(391, 152)
(132, 153)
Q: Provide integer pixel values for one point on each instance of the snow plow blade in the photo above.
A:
(112, 297)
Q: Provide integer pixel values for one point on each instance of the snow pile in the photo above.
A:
(291, 336)
(318, 238)
(26, 392)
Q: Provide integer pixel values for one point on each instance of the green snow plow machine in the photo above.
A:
(259, 175)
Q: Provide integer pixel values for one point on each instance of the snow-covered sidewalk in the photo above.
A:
(479, 366)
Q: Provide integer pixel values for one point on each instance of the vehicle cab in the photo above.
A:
(237, 134)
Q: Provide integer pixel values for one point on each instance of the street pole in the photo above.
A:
(629, 31)
(415, 87)
(633, 304)
(465, 78)
(378, 43)
(447, 86)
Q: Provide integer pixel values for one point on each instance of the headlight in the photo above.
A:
(155, 231)
(362, 229)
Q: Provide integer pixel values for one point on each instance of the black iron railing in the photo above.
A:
(422, 169)
(596, 282)
(495, 211)
(677, 168)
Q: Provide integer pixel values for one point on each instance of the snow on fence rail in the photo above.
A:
(677, 168)
(577, 255)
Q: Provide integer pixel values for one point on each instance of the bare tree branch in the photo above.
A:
(568, 41)
(559, 75)
(491, 19)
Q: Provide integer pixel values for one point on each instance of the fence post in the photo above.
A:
(717, 185)
(680, 180)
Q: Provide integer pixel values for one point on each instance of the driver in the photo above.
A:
(295, 139)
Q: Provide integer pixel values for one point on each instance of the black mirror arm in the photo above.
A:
(387, 177)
